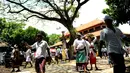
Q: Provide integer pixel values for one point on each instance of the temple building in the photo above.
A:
(94, 27)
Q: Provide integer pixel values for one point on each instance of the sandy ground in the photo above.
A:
(69, 67)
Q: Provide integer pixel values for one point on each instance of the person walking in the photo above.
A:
(28, 57)
(15, 58)
(66, 52)
(92, 53)
(80, 49)
(104, 51)
(87, 51)
(112, 37)
(63, 54)
(40, 55)
(57, 54)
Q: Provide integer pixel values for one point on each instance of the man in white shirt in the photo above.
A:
(112, 37)
(41, 47)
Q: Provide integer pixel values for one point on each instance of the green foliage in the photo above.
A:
(13, 32)
(54, 38)
(2, 24)
(62, 11)
(119, 10)
(30, 33)
(10, 28)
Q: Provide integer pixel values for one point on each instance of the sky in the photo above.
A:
(90, 11)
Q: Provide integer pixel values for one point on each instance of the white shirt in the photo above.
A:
(12, 54)
(113, 40)
(28, 52)
(57, 53)
(41, 48)
(104, 49)
(79, 44)
(92, 44)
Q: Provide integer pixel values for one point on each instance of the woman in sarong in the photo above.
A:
(92, 53)
(80, 49)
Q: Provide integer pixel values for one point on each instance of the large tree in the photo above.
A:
(62, 11)
(119, 10)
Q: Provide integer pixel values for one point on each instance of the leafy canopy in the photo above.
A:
(119, 10)
(14, 33)
(62, 11)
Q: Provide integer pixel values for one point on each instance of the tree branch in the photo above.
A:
(54, 19)
(23, 2)
(65, 11)
(14, 11)
(78, 1)
(78, 7)
(72, 3)
(31, 11)
(48, 12)
(56, 9)
(32, 16)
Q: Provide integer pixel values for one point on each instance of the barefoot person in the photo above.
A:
(112, 36)
(41, 47)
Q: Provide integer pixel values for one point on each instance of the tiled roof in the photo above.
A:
(88, 25)
(97, 33)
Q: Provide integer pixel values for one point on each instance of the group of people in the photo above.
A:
(61, 54)
(85, 49)
(17, 60)
(85, 52)
(41, 55)
(112, 37)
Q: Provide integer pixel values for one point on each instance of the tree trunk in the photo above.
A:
(72, 32)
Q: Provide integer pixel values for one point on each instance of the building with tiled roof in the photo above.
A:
(94, 27)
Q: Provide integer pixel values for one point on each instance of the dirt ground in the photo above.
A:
(69, 67)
